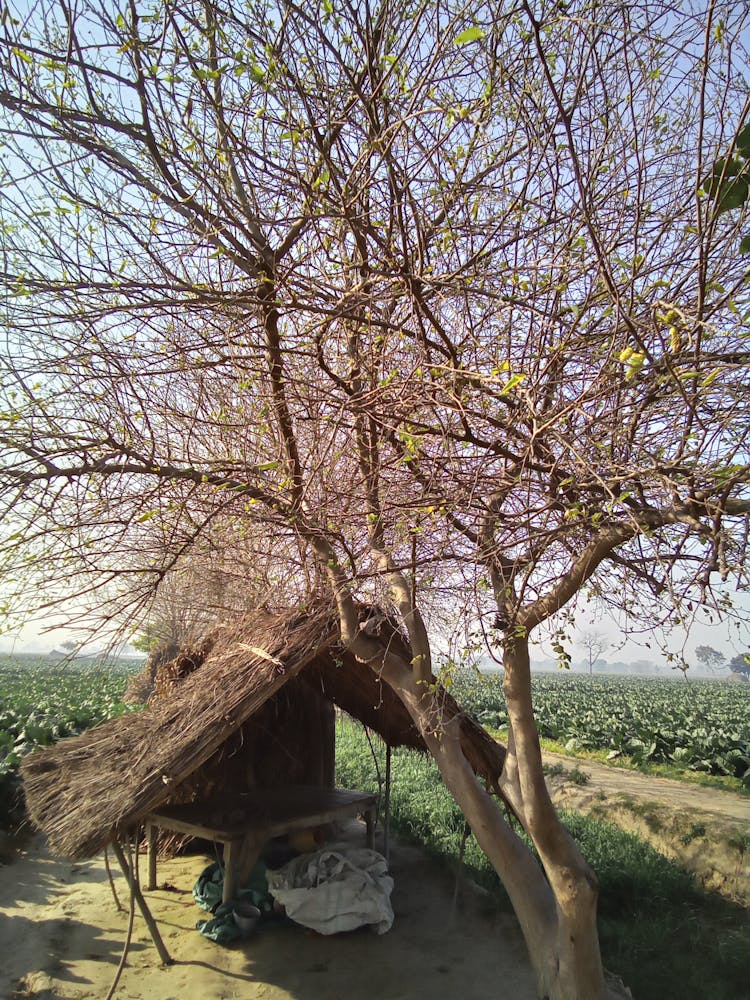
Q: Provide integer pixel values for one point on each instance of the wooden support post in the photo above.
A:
(240, 856)
(151, 843)
(142, 905)
(232, 852)
(387, 824)
(370, 823)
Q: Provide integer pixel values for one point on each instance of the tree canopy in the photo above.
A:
(740, 664)
(239, 238)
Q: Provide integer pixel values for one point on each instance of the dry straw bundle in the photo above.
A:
(86, 789)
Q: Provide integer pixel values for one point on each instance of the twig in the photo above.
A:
(118, 904)
(131, 916)
(142, 904)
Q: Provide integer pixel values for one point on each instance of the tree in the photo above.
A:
(594, 643)
(397, 304)
(740, 664)
(709, 657)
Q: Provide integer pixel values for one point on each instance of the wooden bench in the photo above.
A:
(245, 822)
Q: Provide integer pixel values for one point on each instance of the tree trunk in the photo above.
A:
(557, 914)
(579, 974)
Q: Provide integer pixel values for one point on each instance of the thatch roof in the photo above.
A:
(84, 790)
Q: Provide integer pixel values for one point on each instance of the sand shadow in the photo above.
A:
(55, 946)
(431, 950)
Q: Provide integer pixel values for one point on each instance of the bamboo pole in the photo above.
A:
(142, 905)
(387, 830)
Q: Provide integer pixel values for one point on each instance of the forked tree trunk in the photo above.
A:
(557, 914)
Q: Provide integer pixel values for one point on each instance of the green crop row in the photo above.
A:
(697, 726)
(42, 701)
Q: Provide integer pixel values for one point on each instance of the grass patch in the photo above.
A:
(650, 812)
(579, 777)
(667, 939)
(574, 775)
(740, 842)
(696, 830)
(556, 770)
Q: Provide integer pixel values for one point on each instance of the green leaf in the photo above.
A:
(745, 244)
(721, 172)
(22, 55)
(727, 168)
(146, 517)
(743, 142)
(470, 35)
(512, 382)
(634, 363)
(732, 195)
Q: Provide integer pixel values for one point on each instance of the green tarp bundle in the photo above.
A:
(207, 893)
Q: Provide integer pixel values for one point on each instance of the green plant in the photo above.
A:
(702, 727)
(578, 777)
(696, 830)
(555, 770)
(42, 702)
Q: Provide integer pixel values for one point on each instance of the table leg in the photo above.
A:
(151, 837)
(249, 854)
(370, 823)
(239, 860)
(232, 850)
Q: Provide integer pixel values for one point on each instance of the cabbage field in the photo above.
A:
(701, 725)
(42, 701)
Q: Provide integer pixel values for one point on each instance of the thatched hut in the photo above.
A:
(251, 705)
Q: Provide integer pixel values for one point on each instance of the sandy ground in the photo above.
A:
(61, 937)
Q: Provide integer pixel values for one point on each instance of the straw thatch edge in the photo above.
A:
(84, 790)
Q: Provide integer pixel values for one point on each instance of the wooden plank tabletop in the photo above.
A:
(271, 811)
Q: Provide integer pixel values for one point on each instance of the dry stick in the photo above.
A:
(460, 869)
(128, 936)
(142, 905)
(387, 825)
(118, 904)
(377, 771)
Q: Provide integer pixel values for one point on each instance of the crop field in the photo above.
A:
(42, 701)
(701, 725)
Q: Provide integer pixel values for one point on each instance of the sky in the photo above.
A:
(725, 637)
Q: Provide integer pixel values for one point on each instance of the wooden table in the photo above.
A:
(245, 822)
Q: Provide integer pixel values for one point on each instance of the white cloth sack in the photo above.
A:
(335, 889)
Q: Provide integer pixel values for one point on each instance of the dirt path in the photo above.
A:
(682, 794)
(706, 830)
